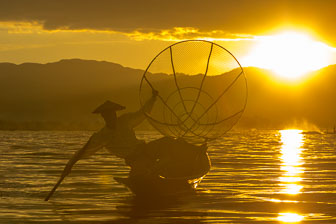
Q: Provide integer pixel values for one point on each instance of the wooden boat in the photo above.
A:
(167, 166)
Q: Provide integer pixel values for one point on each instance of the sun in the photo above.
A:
(289, 54)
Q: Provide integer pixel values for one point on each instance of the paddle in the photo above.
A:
(68, 168)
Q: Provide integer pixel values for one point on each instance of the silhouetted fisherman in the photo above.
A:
(117, 135)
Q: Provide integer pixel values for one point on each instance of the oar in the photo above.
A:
(68, 168)
(65, 173)
(55, 187)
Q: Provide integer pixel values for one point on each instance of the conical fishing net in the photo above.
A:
(202, 90)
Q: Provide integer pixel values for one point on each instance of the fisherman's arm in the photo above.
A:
(135, 118)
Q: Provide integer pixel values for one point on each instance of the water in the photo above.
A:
(256, 177)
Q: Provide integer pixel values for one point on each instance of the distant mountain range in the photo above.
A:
(63, 94)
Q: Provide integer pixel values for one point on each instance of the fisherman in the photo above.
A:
(117, 135)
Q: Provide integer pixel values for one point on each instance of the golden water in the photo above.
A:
(256, 177)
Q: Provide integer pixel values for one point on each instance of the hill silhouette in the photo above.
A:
(61, 95)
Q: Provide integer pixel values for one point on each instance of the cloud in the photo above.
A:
(183, 33)
(154, 17)
(174, 34)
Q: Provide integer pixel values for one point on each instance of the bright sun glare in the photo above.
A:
(290, 55)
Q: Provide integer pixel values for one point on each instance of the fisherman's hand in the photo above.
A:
(155, 92)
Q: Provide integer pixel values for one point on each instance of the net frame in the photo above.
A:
(180, 123)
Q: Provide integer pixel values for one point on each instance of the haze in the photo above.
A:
(293, 40)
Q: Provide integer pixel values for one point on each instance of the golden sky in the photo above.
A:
(133, 32)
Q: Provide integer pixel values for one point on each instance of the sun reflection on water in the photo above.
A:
(292, 141)
(290, 217)
(291, 166)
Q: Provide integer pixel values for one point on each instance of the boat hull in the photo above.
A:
(166, 167)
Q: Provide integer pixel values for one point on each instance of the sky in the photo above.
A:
(133, 32)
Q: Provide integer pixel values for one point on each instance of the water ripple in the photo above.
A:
(250, 182)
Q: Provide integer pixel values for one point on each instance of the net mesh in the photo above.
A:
(202, 91)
